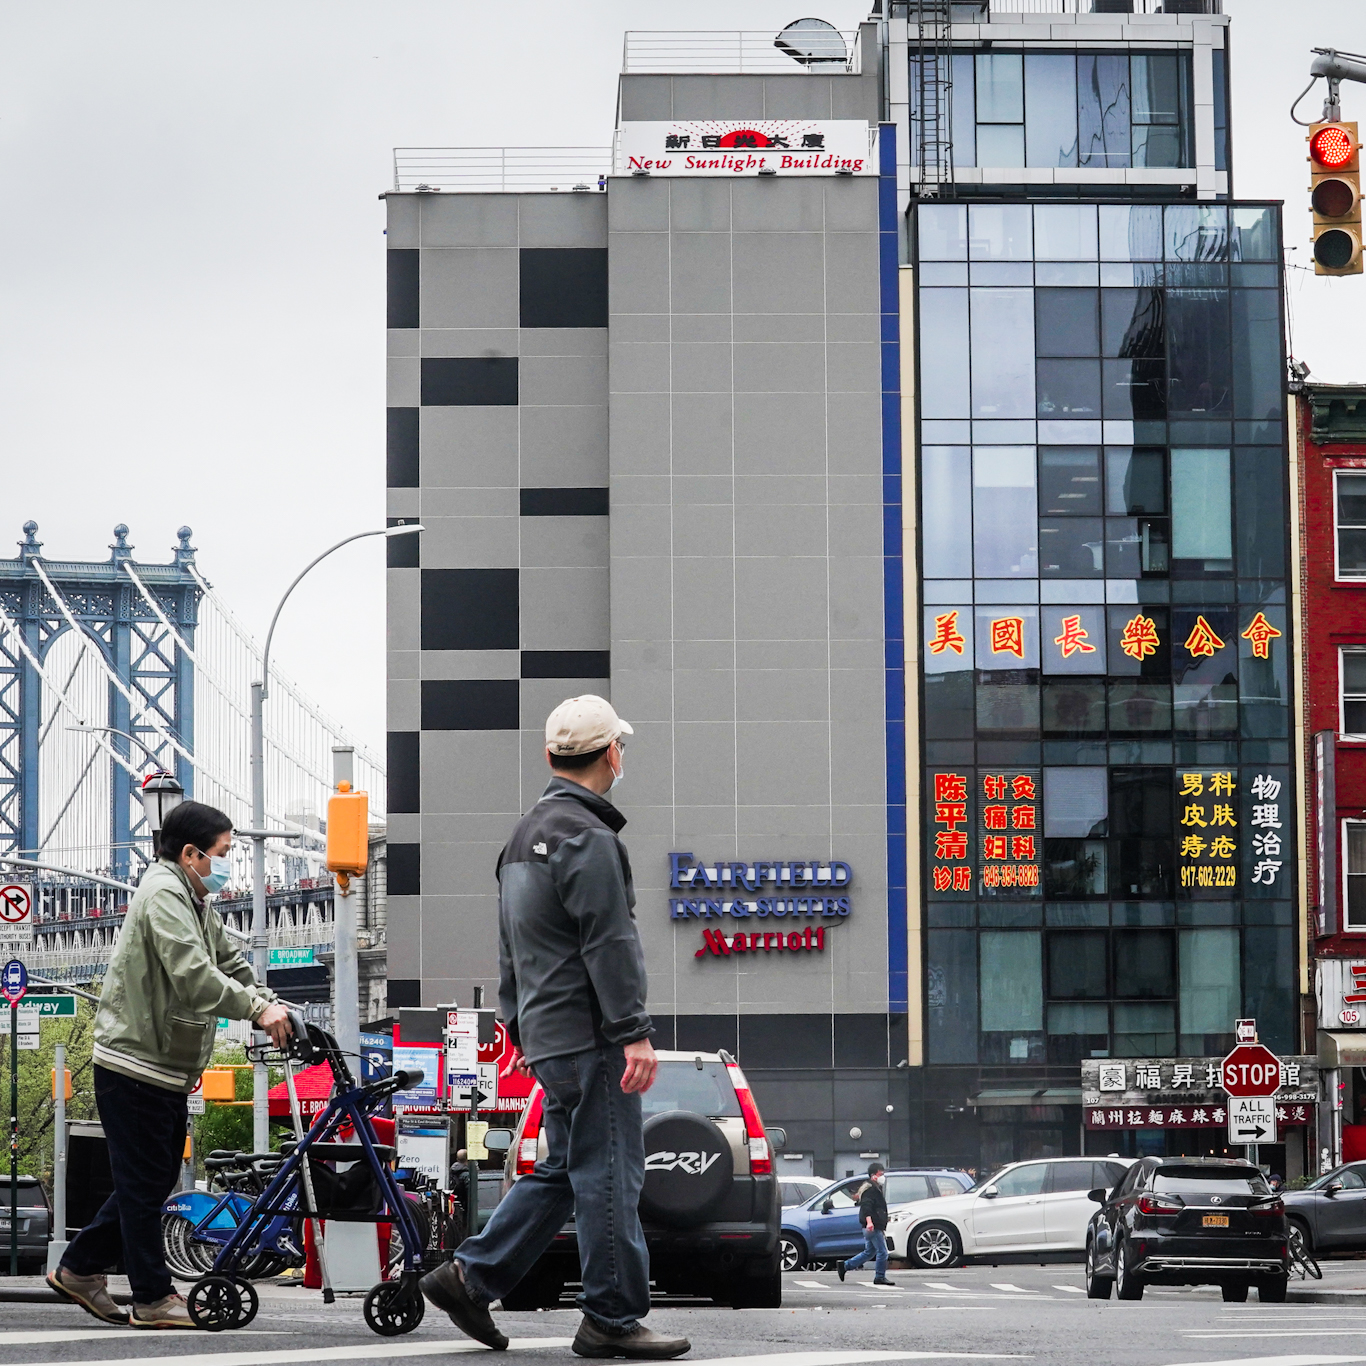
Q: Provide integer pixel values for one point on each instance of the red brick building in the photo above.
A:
(1332, 616)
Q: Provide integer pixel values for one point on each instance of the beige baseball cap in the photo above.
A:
(579, 725)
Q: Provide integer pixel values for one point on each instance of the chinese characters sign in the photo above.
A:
(950, 864)
(1012, 834)
(1206, 831)
(1180, 1116)
(712, 147)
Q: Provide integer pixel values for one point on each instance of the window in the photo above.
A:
(1026, 1180)
(1071, 1176)
(901, 1190)
(843, 1197)
(1076, 969)
(1354, 833)
(1211, 995)
(945, 1185)
(1202, 510)
(1350, 507)
(1352, 675)
(1000, 109)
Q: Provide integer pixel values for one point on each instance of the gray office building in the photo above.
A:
(666, 421)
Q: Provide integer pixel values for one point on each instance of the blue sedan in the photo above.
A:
(826, 1227)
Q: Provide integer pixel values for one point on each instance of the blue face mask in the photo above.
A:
(220, 870)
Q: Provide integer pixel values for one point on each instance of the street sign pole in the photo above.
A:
(14, 1137)
(58, 1244)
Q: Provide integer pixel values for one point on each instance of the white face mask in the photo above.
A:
(619, 772)
(220, 870)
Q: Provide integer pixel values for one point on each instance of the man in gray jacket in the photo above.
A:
(572, 993)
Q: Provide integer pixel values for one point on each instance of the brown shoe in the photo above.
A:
(90, 1292)
(445, 1288)
(171, 1312)
(641, 1343)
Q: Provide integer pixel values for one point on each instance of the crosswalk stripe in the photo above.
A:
(1296, 1359)
(381, 1348)
(1071, 1289)
(845, 1358)
(939, 1285)
(20, 1337)
(814, 1285)
(1006, 1285)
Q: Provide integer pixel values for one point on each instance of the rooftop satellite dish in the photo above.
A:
(813, 42)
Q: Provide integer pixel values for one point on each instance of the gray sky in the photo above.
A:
(191, 309)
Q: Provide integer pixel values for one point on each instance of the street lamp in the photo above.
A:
(109, 730)
(260, 939)
(161, 793)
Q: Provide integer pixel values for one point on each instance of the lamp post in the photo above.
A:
(260, 939)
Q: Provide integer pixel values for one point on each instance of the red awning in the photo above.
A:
(313, 1086)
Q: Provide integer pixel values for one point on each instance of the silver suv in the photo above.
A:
(709, 1205)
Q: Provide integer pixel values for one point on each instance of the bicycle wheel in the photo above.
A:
(175, 1231)
(1302, 1260)
(396, 1262)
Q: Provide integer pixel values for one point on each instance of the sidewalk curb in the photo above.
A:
(1326, 1297)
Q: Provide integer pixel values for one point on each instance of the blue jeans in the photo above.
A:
(874, 1245)
(144, 1127)
(595, 1169)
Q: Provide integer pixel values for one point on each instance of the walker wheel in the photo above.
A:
(394, 1307)
(217, 1302)
(252, 1301)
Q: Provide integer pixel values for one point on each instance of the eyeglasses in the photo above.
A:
(621, 745)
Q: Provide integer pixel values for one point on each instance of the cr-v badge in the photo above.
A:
(693, 1164)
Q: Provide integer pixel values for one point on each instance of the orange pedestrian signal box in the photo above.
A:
(219, 1083)
(348, 831)
(66, 1072)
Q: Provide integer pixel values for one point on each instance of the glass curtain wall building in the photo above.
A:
(1109, 859)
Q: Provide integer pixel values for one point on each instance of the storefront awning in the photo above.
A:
(1021, 1095)
(1342, 1048)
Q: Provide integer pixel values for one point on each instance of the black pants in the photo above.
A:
(144, 1126)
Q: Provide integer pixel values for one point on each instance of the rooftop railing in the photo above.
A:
(963, 13)
(501, 168)
(732, 51)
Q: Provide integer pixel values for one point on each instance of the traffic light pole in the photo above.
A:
(345, 964)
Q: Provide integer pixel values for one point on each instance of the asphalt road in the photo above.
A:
(1005, 1313)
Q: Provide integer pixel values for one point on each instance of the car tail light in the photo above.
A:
(1158, 1204)
(531, 1135)
(760, 1154)
(1273, 1207)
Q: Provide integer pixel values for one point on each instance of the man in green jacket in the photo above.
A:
(172, 974)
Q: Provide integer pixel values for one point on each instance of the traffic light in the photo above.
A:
(1335, 195)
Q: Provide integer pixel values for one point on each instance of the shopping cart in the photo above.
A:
(304, 1186)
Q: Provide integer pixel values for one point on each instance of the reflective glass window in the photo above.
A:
(1263, 679)
(1069, 481)
(1076, 868)
(946, 511)
(1003, 353)
(1141, 801)
(1259, 489)
(1068, 388)
(1073, 709)
(1000, 144)
(1135, 480)
(1211, 987)
(1199, 353)
(1134, 390)
(1001, 232)
(944, 353)
(1196, 232)
(1257, 362)
(948, 638)
(1144, 964)
(1143, 1029)
(1132, 323)
(1076, 802)
(943, 232)
(1067, 322)
(1139, 708)
(1000, 87)
(1351, 524)
(1072, 548)
(1202, 508)
(1130, 232)
(1005, 532)
(1008, 704)
(1137, 547)
(1205, 690)
(1027, 1180)
(1140, 647)
(1073, 638)
(1051, 127)
(1157, 135)
(1065, 232)
(964, 109)
(1355, 918)
(1080, 1017)
(950, 705)
(1011, 980)
(1103, 125)
(1076, 964)
(1254, 235)
(951, 995)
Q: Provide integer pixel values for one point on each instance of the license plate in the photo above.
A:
(1215, 1221)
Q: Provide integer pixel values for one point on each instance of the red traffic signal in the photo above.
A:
(1332, 146)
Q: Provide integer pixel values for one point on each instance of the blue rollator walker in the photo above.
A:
(365, 1193)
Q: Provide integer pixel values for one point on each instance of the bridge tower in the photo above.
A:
(128, 616)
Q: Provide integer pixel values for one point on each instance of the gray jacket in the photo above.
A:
(571, 966)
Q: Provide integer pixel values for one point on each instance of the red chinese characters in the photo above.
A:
(946, 635)
(1007, 636)
(950, 834)
(1139, 639)
(1008, 805)
(1073, 638)
(1260, 632)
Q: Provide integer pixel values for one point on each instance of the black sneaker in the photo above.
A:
(445, 1289)
(882, 1281)
(642, 1343)
(839, 1269)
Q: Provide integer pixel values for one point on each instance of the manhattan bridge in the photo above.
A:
(113, 669)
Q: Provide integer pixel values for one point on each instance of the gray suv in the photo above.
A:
(35, 1224)
(709, 1205)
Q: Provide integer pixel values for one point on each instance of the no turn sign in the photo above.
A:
(16, 915)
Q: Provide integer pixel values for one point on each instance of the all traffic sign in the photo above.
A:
(1251, 1069)
(1251, 1119)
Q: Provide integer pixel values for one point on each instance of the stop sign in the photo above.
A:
(1251, 1070)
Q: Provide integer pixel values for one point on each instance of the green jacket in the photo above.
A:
(173, 973)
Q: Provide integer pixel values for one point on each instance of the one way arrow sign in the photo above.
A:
(1251, 1119)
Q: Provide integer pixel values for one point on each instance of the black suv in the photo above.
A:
(1188, 1221)
(709, 1205)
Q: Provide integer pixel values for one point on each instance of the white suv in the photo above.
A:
(1041, 1208)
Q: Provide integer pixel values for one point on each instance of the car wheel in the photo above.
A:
(1097, 1287)
(1300, 1239)
(934, 1247)
(791, 1252)
(1272, 1291)
(756, 1286)
(1127, 1285)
